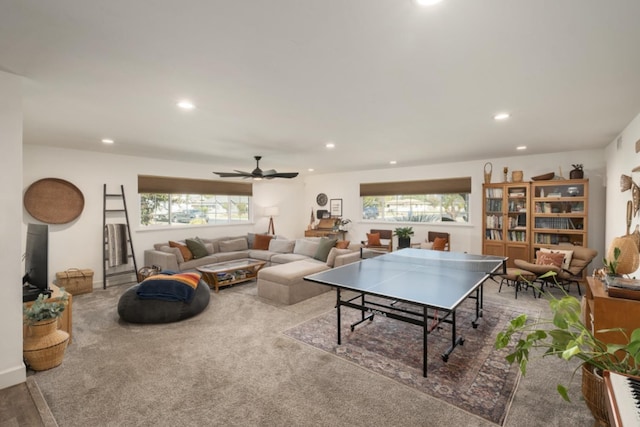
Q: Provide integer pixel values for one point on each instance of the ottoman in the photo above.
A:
(285, 283)
(517, 278)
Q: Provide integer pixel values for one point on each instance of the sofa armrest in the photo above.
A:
(347, 259)
(164, 260)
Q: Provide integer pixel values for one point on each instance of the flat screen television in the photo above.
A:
(36, 257)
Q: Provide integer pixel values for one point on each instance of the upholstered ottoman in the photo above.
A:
(133, 309)
(517, 278)
(285, 283)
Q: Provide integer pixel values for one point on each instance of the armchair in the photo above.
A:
(567, 273)
(435, 240)
(379, 240)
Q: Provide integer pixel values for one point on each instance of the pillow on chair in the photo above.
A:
(549, 258)
(439, 244)
(568, 255)
(373, 239)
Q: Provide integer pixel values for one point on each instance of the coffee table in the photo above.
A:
(230, 272)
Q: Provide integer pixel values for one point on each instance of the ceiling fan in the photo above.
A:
(257, 173)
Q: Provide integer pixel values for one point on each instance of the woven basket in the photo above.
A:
(44, 345)
(594, 394)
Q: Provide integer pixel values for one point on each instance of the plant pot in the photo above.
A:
(44, 345)
(404, 242)
(576, 174)
(594, 394)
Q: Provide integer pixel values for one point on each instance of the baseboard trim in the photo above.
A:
(13, 376)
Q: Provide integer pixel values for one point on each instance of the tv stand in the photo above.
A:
(30, 293)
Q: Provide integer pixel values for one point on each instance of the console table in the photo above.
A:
(604, 312)
(325, 233)
(64, 321)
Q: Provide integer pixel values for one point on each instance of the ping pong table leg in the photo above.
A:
(424, 341)
(455, 341)
(338, 313)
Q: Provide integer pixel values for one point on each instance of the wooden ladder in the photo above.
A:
(111, 216)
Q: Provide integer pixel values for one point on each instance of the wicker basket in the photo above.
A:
(594, 394)
(75, 281)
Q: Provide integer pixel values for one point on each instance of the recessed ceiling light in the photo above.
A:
(311, 169)
(521, 147)
(426, 2)
(392, 162)
(330, 145)
(502, 116)
(186, 105)
(107, 140)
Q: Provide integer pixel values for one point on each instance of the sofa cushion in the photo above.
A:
(199, 262)
(233, 245)
(261, 241)
(261, 255)
(184, 250)
(306, 247)
(175, 251)
(335, 252)
(291, 272)
(230, 256)
(285, 258)
(325, 245)
(281, 246)
(197, 248)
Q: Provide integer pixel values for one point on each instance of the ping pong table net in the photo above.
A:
(472, 263)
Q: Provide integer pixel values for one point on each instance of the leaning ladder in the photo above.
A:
(110, 216)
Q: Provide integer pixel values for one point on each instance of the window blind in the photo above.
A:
(432, 186)
(169, 185)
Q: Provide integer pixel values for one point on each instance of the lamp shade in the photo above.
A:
(272, 211)
(629, 259)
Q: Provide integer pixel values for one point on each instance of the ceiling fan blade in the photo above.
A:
(233, 175)
(284, 175)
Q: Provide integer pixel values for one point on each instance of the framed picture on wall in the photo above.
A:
(335, 207)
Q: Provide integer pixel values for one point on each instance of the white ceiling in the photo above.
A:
(383, 79)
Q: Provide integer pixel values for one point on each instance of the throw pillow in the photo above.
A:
(306, 247)
(439, 243)
(373, 239)
(184, 250)
(197, 248)
(324, 247)
(233, 245)
(343, 244)
(281, 246)
(426, 245)
(548, 258)
(568, 255)
(176, 287)
(261, 241)
(333, 253)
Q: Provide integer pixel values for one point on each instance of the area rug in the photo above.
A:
(476, 378)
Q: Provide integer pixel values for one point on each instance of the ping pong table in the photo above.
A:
(431, 284)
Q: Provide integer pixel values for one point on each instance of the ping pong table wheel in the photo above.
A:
(445, 357)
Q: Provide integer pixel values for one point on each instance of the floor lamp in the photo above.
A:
(271, 212)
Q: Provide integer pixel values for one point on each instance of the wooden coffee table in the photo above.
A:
(230, 272)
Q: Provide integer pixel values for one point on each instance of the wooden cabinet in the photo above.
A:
(506, 223)
(601, 312)
(559, 213)
(338, 234)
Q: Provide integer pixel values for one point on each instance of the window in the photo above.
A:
(417, 201)
(164, 201)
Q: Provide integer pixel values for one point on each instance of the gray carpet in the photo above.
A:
(232, 365)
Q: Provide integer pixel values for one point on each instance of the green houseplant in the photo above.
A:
(564, 335)
(404, 236)
(42, 309)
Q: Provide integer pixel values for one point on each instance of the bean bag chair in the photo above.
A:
(164, 299)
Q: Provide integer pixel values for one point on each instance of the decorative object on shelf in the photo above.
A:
(516, 176)
(487, 172)
(626, 183)
(577, 172)
(560, 176)
(624, 253)
(321, 199)
(342, 224)
(44, 344)
(404, 236)
(335, 207)
(53, 201)
(543, 177)
(312, 220)
(505, 171)
(271, 212)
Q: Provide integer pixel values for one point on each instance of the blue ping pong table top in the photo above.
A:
(436, 279)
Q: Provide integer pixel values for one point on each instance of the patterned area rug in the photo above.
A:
(476, 378)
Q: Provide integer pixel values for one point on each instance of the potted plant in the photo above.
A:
(564, 335)
(44, 344)
(404, 236)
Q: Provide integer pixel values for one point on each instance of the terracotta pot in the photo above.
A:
(44, 345)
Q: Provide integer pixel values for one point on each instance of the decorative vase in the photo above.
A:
(576, 174)
(594, 394)
(44, 345)
(488, 169)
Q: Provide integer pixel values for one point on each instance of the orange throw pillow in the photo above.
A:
(373, 239)
(261, 241)
(439, 244)
(343, 244)
(184, 250)
(547, 258)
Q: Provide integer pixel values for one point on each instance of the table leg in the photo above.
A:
(424, 341)
(338, 313)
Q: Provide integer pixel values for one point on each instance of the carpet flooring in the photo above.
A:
(476, 378)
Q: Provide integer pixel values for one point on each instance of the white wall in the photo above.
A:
(12, 370)
(621, 159)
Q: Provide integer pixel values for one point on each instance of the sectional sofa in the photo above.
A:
(287, 261)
